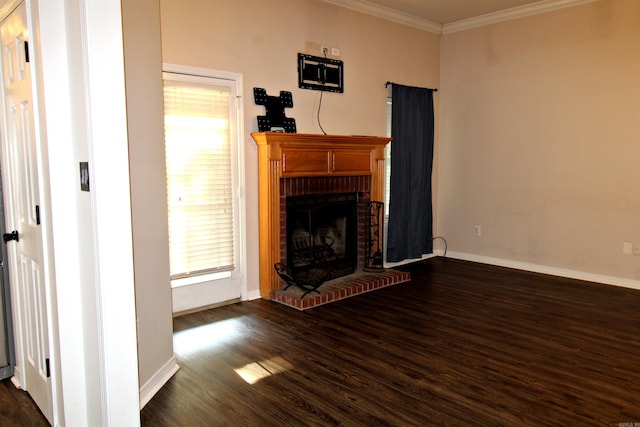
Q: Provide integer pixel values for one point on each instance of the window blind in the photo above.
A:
(199, 178)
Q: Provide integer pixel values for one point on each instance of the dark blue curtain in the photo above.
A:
(410, 232)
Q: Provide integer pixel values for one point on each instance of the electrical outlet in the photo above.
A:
(335, 51)
(324, 50)
(477, 230)
(627, 248)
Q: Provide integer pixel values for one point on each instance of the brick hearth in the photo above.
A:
(340, 288)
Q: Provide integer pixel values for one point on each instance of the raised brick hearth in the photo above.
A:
(340, 288)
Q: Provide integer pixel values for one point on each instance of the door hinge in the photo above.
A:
(48, 367)
(37, 215)
(26, 51)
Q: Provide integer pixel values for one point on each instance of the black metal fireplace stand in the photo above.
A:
(310, 283)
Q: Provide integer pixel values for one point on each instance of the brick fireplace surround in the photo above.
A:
(291, 187)
(297, 164)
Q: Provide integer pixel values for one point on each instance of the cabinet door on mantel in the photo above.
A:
(353, 162)
(312, 162)
(300, 161)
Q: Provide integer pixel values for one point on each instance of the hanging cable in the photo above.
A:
(320, 106)
(445, 244)
(322, 93)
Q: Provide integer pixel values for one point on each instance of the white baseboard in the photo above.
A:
(554, 271)
(253, 295)
(409, 261)
(151, 387)
(16, 379)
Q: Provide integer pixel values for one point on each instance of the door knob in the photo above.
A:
(11, 236)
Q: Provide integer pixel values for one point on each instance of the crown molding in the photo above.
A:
(509, 14)
(388, 14)
(369, 8)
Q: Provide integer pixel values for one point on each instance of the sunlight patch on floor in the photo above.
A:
(255, 371)
(207, 337)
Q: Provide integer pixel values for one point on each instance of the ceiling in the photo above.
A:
(447, 11)
(444, 15)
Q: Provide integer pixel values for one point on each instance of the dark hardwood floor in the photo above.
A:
(461, 344)
(17, 409)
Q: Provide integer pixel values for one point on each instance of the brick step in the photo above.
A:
(340, 288)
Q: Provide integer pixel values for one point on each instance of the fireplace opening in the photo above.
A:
(322, 233)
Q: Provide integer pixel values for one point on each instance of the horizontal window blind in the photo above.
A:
(199, 178)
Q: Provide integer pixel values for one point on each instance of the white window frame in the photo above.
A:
(192, 292)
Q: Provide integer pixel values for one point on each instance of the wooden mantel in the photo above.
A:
(291, 155)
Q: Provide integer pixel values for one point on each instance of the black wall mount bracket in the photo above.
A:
(318, 73)
(274, 118)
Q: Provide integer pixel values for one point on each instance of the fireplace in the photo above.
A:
(322, 232)
(309, 173)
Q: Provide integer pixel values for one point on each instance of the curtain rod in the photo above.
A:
(391, 83)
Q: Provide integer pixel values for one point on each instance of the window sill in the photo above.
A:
(194, 280)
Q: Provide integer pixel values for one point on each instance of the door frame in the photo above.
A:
(83, 88)
(198, 294)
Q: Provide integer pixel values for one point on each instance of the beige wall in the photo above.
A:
(540, 139)
(143, 62)
(261, 40)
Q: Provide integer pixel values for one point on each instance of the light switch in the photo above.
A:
(84, 176)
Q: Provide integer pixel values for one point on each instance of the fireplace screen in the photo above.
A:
(322, 233)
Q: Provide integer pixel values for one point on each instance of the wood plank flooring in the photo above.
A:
(17, 409)
(461, 344)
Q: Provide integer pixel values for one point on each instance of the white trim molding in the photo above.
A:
(509, 14)
(404, 18)
(155, 383)
(389, 14)
(252, 295)
(554, 271)
(435, 253)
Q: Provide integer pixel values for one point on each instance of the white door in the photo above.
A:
(22, 212)
(206, 208)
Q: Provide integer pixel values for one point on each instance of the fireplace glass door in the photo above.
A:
(322, 233)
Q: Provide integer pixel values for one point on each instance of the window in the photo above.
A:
(202, 156)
